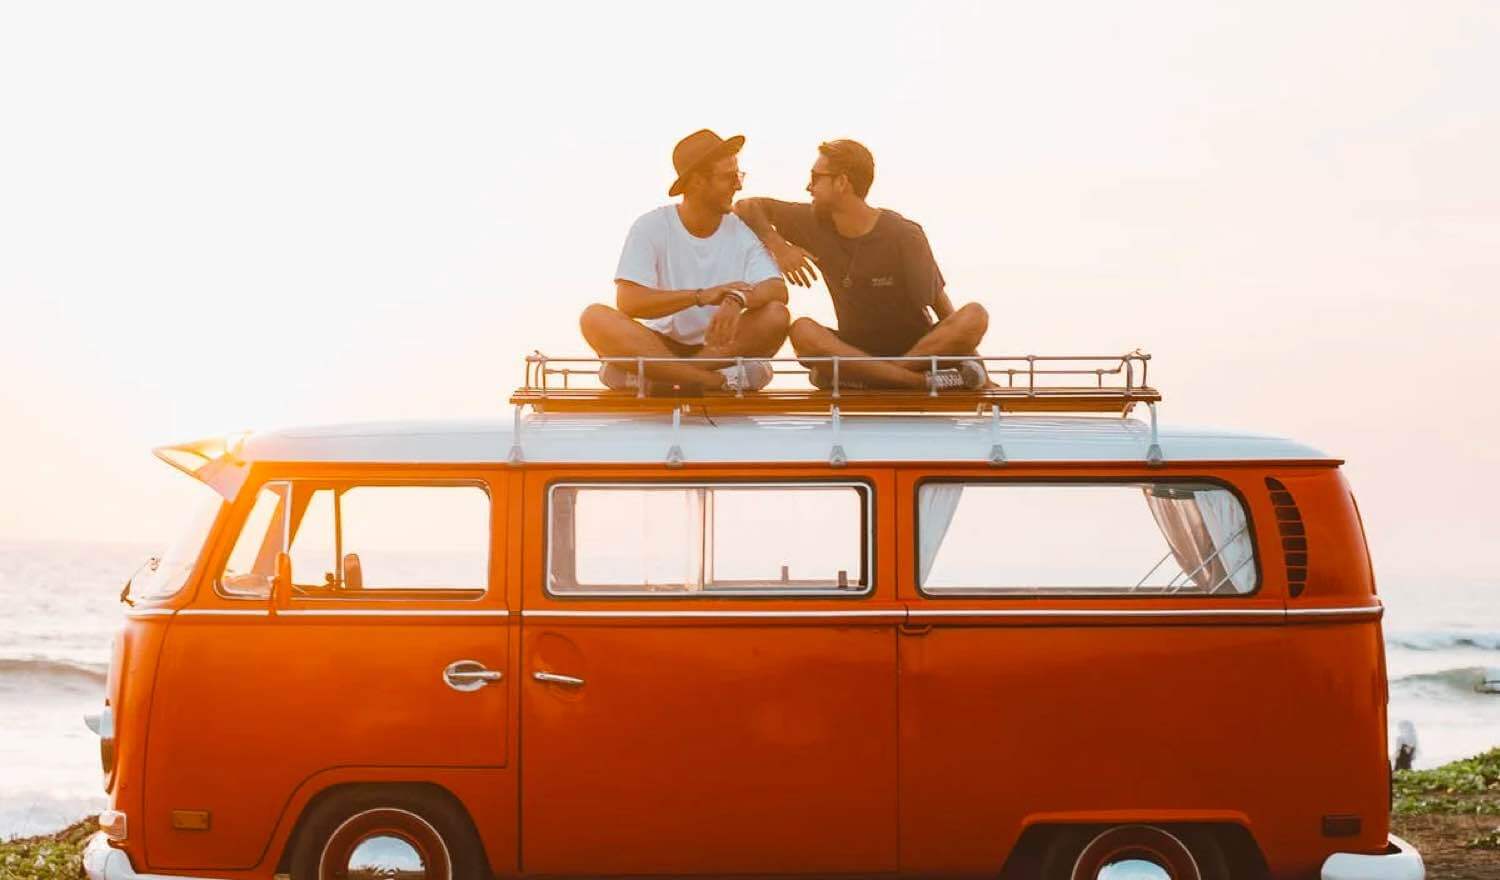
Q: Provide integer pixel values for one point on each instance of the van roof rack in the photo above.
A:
(1019, 383)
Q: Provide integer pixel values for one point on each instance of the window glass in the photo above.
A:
(165, 574)
(617, 540)
(313, 550)
(1086, 539)
(252, 562)
(415, 537)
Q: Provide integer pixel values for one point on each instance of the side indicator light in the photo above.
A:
(112, 823)
(190, 820)
(1340, 826)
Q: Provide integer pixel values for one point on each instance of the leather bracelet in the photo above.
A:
(698, 297)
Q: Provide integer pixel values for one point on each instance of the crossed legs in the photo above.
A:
(612, 333)
(957, 334)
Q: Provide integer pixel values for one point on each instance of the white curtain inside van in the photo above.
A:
(1225, 519)
(936, 504)
(1208, 536)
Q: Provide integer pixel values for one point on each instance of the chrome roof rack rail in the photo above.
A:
(1017, 383)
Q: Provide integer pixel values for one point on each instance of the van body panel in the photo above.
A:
(710, 735)
(131, 684)
(999, 723)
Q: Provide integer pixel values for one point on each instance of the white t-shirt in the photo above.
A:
(661, 254)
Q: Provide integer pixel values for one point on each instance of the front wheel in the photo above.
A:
(413, 834)
(1145, 851)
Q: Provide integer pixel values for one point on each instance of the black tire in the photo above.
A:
(425, 817)
(1080, 848)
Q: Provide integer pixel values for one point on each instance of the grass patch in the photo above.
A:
(1470, 786)
(48, 857)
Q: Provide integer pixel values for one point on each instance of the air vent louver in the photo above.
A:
(1293, 536)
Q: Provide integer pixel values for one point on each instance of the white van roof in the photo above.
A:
(774, 438)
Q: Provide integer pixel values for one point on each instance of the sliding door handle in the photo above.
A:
(554, 678)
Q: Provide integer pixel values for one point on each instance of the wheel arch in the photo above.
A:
(355, 789)
(1233, 836)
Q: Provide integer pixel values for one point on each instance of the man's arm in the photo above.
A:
(639, 301)
(793, 260)
(942, 306)
(768, 291)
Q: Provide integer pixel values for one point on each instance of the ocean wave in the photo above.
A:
(1443, 639)
(43, 667)
(1466, 678)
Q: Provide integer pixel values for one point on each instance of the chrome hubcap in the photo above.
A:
(385, 857)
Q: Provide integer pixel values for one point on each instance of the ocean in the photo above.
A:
(62, 610)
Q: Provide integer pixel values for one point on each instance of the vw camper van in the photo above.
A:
(1011, 632)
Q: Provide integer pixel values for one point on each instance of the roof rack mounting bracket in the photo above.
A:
(836, 456)
(1153, 452)
(674, 454)
(516, 456)
(997, 451)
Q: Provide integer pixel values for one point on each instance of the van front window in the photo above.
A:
(163, 575)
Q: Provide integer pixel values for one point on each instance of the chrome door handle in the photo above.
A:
(554, 678)
(469, 675)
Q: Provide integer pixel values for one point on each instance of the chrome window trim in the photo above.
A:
(226, 612)
(678, 595)
(389, 612)
(746, 615)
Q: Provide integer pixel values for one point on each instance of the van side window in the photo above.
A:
(372, 541)
(1079, 538)
(742, 539)
(252, 562)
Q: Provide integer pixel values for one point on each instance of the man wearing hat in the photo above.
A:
(693, 282)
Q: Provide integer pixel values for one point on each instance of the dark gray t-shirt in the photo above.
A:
(882, 283)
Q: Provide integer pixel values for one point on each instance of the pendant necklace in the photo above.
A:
(849, 267)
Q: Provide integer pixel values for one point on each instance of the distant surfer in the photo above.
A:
(1406, 745)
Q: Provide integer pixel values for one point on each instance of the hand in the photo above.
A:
(712, 296)
(722, 326)
(796, 264)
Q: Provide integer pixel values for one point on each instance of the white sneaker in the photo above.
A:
(969, 376)
(974, 373)
(746, 376)
(617, 378)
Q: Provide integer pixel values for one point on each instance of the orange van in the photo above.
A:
(1004, 633)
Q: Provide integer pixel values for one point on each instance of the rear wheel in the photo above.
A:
(411, 834)
(1135, 851)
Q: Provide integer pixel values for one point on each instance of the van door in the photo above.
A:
(708, 676)
(396, 579)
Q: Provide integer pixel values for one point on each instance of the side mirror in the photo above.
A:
(281, 585)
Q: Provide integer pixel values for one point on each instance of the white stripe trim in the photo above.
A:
(152, 612)
(893, 614)
(225, 612)
(382, 612)
(1100, 612)
(1364, 610)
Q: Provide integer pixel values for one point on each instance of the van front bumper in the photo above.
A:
(1400, 862)
(103, 862)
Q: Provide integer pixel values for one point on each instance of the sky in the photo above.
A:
(217, 217)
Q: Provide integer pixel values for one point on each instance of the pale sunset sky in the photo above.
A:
(217, 217)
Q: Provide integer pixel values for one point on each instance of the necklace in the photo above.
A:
(849, 267)
(854, 254)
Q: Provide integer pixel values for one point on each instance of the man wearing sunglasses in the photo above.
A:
(693, 282)
(885, 284)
